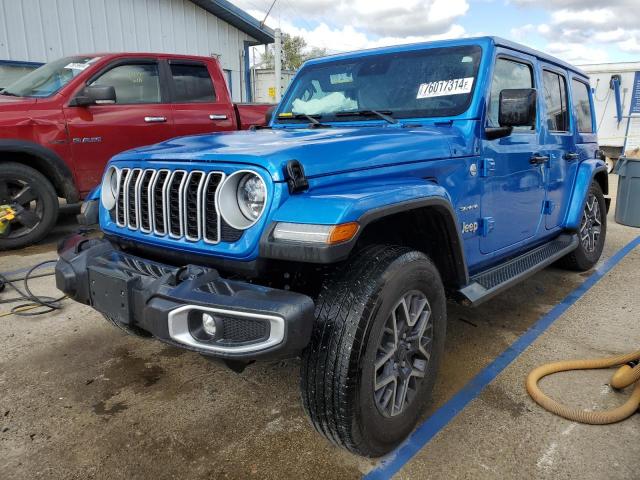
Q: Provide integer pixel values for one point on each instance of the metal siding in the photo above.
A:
(44, 30)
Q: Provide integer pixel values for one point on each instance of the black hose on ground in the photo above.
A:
(34, 304)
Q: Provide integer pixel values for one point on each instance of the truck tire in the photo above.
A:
(592, 233)
(355, 348)
(24, 186)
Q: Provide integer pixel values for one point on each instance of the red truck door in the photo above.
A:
(201, 102)
(141, 116)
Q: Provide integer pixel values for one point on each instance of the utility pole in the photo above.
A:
(278, 64)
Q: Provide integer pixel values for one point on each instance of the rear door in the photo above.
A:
(559, 144)
(512, 187)
(141, 116)
(200, 103)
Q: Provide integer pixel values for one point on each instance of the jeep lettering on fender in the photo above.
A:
(386, 181)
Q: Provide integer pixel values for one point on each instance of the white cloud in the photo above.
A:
(577, 53)
(343, 25)
(587, 29)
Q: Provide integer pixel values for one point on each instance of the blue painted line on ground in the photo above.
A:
(392, 463)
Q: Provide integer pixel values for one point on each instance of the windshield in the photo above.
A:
(433, 82)
(48, 79)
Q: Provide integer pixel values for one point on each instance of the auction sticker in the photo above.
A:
(455, 86)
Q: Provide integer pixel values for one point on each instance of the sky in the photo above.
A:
(578, 31)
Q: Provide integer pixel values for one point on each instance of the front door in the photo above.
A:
(139, 117)
(513, 188)
(559, 145)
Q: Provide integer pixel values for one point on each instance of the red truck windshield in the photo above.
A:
(50, 78)
(432, 82)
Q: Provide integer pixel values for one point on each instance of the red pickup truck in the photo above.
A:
(60, 124)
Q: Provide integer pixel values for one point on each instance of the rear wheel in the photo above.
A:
(369, 370)
(592, 233)
(27, 191)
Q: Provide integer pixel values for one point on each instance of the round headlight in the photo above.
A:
(109, 188)
(251, 196)
(242, 199)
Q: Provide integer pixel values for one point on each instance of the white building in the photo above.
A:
(264, 83)
(617, 116)
(44, 30)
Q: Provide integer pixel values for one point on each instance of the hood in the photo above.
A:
(322, 151)
(14, 103)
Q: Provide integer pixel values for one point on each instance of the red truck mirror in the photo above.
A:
(95, 95)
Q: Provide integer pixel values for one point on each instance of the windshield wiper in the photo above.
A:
(8, 94)
(313, 119)
(383, 114)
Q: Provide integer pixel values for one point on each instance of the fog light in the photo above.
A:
(209, 324)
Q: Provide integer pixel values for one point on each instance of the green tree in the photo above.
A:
(293, 53)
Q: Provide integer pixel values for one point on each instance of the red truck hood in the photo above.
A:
(14, 103)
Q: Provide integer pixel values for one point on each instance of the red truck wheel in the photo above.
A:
(33, 197)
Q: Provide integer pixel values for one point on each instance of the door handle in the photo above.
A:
(539, 159)
(571, 156)
(155, 119)
(215, 116)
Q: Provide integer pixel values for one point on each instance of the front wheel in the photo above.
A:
(368, 373)
(29, 192)
(592, 233)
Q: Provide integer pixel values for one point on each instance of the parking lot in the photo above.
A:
(79, 399)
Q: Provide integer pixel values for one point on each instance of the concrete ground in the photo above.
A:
(79, 399)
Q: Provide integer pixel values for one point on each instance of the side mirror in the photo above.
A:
(95, 95)
(517, 108)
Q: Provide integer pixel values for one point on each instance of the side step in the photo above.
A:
(485, 285)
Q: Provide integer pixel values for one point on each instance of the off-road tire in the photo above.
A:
(581, 259)
(11, 171)
(337, 369)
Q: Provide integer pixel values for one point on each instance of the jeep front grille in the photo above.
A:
(177, 204)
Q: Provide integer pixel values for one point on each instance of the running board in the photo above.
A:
(485, 285)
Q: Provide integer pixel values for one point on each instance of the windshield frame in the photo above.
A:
(54, 66)
(282, 121)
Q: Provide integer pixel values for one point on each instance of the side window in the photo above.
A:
(134, 83)
(506, 75)
(555, 99)
(582, 106)
(192, 83)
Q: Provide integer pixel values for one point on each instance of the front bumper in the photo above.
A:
(253, 322)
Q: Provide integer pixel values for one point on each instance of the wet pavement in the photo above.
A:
(79, 399)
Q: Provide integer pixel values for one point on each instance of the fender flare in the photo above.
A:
(326, 254)
(587, 172)
(48, 163)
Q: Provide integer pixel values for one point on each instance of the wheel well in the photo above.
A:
(603, 180)
(62, 184)
(430, 230)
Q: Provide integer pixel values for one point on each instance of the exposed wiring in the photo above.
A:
(42, 304)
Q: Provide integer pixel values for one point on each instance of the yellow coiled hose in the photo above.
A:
(624, 376)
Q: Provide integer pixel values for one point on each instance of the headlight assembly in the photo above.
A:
(109, 188)
(242, 199)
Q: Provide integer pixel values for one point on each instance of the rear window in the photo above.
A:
(582, 106)
(555, 99)
(192, 83)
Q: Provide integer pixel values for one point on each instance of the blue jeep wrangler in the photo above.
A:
(386, 182)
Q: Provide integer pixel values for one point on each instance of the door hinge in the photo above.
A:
(548, 207)
(487, 167)
(487, 224)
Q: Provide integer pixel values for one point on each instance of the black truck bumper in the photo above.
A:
(169, 303)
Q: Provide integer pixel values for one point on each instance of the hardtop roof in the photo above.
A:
(485, 41)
